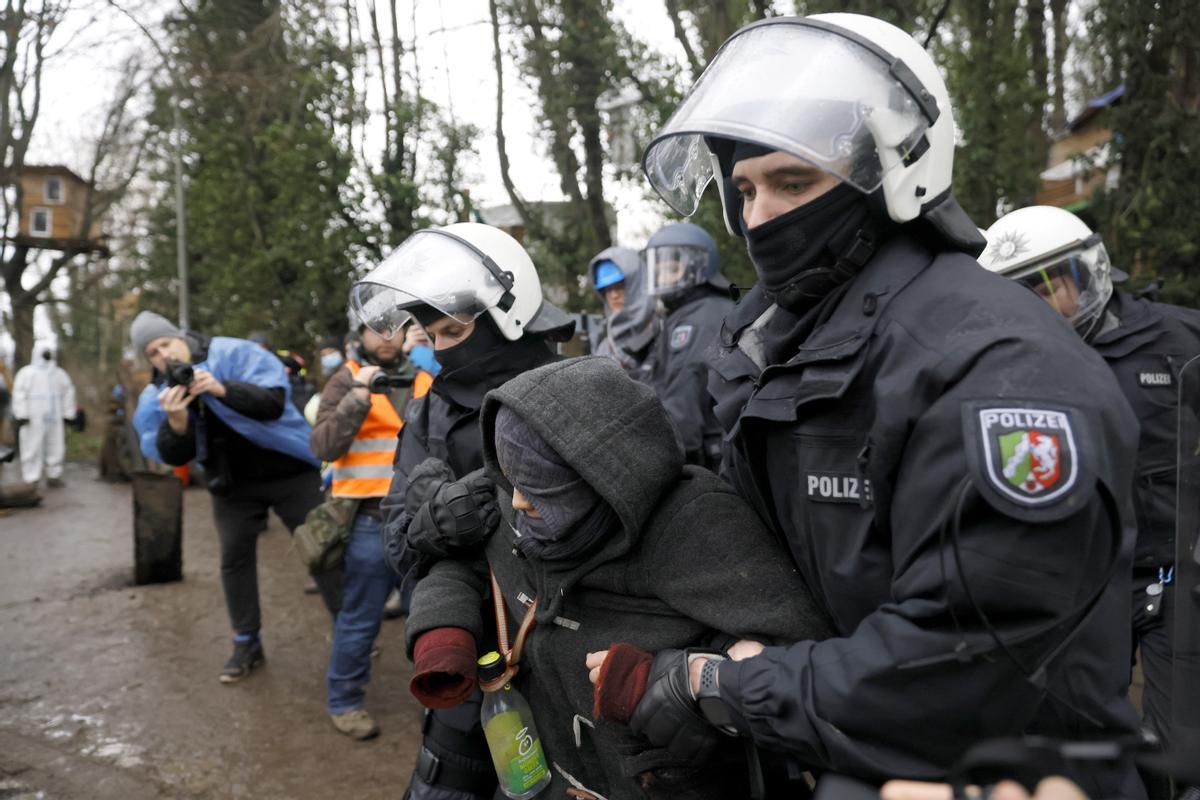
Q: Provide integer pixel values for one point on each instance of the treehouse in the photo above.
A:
(53, 211)
(1081, 157)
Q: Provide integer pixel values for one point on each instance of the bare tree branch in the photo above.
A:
(937, 21)
(682, 37)
(534, 225)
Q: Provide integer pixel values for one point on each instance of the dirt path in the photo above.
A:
(110, 691)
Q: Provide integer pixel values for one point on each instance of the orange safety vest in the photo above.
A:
(366, 469)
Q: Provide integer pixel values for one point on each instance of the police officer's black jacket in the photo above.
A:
(925, 396)
(1146, 350)
(687, 558)
(677, 369)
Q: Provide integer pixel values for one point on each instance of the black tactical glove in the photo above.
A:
(459, 517)
(667, 714)
(423, 482)
(395, 545)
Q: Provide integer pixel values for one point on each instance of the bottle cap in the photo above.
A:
(491, 667)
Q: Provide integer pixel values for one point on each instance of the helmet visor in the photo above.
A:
(431, 268)
(799, 87)
(1076, 284)
(673, 268)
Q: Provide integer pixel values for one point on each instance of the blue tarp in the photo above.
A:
(238, 360)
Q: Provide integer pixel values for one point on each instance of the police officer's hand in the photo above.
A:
(743, 649)
(175, 401)
(667, 714)
(459, 516)
(206, 383)
(424, 480)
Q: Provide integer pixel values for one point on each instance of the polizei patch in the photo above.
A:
(1029, 454)
(837, 487)
(1154, 379)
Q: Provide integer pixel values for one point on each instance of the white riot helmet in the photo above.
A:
(1053, 252)
(850, 94)
(462, 270)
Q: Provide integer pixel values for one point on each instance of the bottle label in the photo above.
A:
(516, 752)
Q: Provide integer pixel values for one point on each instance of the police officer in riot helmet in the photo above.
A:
(1056, 255)
(683, 272)
(477, 295)
(947, 463)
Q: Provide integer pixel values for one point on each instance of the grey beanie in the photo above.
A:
(148, 326)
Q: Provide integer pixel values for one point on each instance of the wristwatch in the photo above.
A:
(709, 701)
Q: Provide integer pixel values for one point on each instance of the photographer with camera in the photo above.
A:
(226, 403)
(358, 422)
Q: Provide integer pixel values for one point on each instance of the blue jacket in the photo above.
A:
(235, 359)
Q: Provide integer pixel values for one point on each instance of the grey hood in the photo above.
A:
(626, 258)
(635, 326)
(612, 430)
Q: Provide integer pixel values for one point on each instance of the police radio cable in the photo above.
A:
(1036, 676)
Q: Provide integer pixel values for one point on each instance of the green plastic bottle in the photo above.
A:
(511, 735)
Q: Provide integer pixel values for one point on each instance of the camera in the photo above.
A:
(382, 383)
(178, 373)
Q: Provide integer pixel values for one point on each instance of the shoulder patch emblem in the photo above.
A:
(1029, 454)
(680, 337)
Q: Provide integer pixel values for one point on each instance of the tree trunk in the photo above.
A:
(22, 328)
(1058, 16)
(681, 35)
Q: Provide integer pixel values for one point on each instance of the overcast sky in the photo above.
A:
(455, 50)
(454, 44)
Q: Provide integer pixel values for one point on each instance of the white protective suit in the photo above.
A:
(44, 396)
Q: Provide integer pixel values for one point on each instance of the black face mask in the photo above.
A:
(797, 254)
(483, 361)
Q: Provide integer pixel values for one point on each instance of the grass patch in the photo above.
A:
(84, 446)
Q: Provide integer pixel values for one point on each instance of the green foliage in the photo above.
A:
(569, 54)
(1148, 220)
(272, 233)
(999, 102)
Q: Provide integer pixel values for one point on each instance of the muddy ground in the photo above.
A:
(108, 690)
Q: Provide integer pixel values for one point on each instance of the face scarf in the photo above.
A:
(483, 361)
(797, 254)
(573, 518)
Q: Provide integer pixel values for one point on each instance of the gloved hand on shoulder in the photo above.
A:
(423, 482)
(458, 517)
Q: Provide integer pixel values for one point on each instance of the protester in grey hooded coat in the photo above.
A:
(661, 575)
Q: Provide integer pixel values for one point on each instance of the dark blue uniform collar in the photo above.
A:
(1140, 325)
(857, 311)
(828, 359)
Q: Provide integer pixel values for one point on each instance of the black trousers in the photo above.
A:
(241, 515)
(1152, 641)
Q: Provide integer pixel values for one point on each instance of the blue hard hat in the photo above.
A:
(605, 274)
